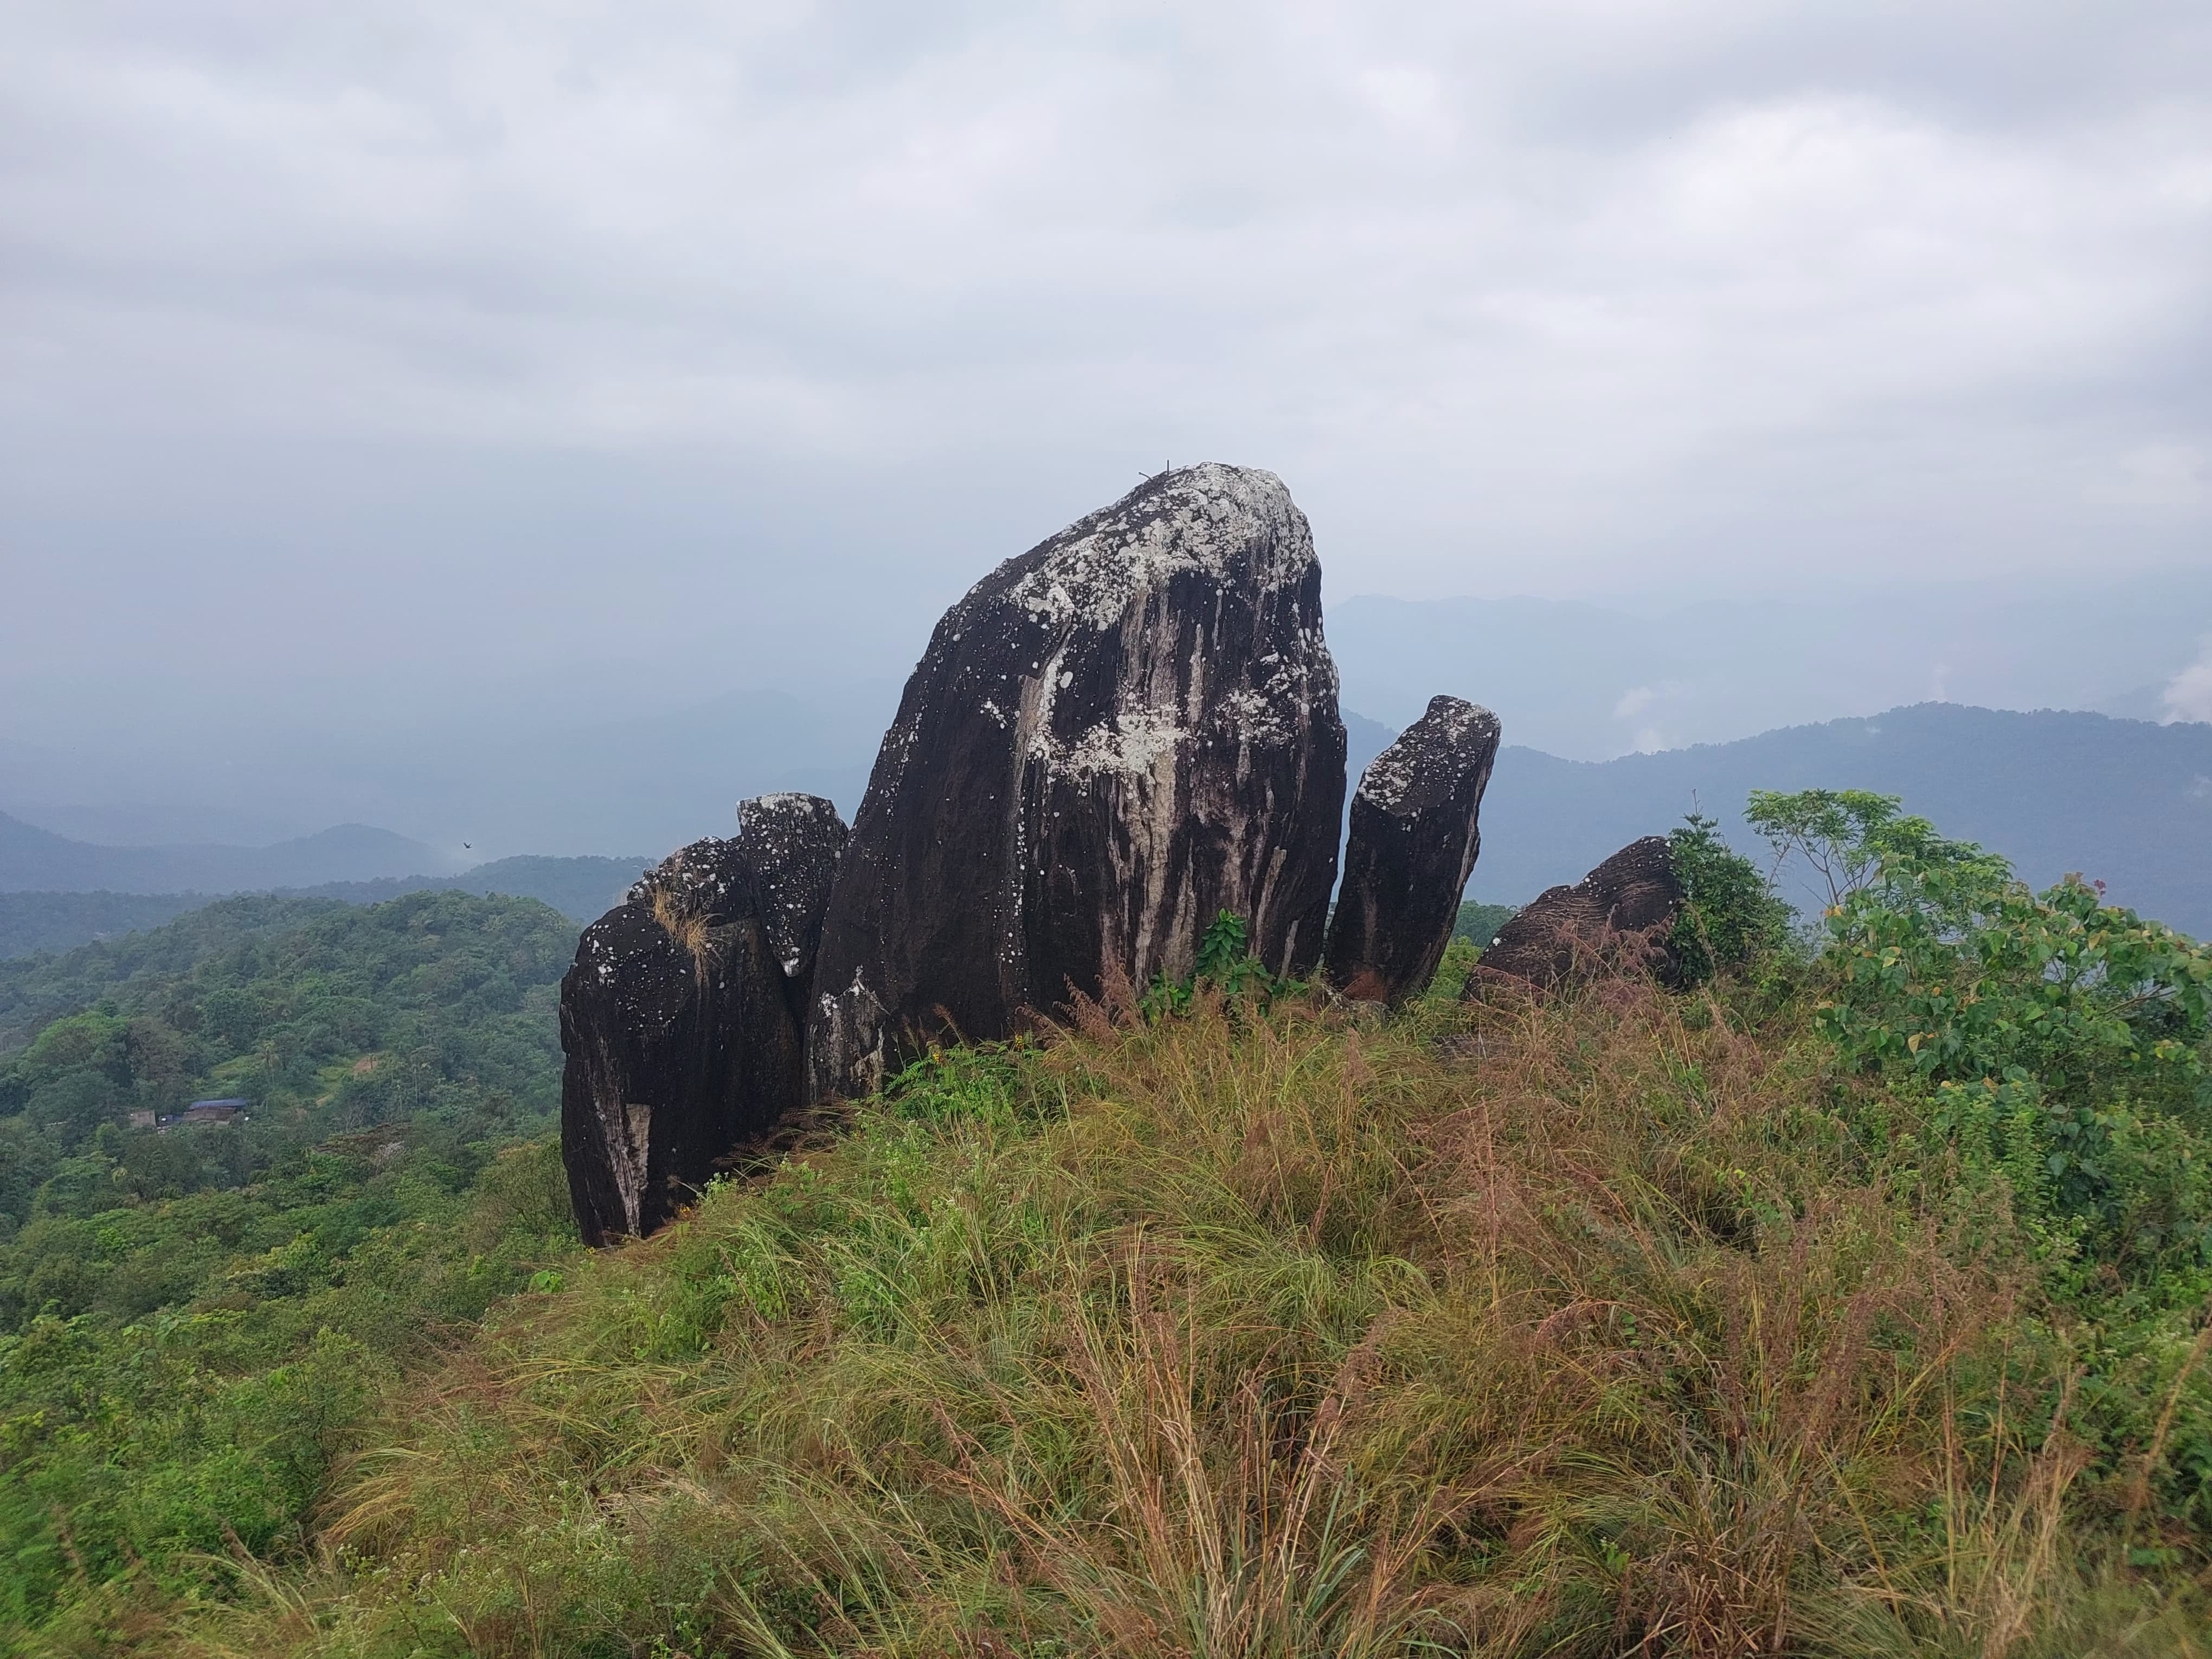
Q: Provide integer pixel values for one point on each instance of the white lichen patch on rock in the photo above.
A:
(1387, 778)
(1204, 518)
(791, 842)
(1132, 745)
(703, 881)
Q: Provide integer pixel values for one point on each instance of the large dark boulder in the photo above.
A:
(681, 1016)
(1111, 740)
(1413, 844)
(1617, 916)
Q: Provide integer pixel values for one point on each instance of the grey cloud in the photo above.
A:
(466, 343)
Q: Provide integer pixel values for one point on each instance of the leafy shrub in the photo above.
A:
(1841, 835)
(2047, 1052)
(2064, 1040)
(1731, 917)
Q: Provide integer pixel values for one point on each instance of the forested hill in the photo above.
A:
(127, 969)
(582, 889)
(2126, 802)
(191, 1315)
(319, 1015)
(31, 923)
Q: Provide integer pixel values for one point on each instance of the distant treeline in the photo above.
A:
(32, 922)
(584, 888)
(1478, 924)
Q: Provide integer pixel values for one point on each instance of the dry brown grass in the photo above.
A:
(691, 931)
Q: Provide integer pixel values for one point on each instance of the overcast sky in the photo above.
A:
(364, 357)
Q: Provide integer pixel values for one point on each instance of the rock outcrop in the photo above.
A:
(1413, 844)
(682, 1016)
(792, 843)
(1112, 739)
(1618, 915)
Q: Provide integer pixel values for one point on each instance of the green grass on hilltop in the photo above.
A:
(1600, 1328)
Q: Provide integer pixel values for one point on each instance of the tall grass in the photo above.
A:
(1593, 1327)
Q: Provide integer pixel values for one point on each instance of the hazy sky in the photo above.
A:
(377, 355)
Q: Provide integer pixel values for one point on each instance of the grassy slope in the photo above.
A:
(1517, 1331)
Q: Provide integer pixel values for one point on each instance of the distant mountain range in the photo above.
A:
(584, 888)
(578, 755)
(1592, 681)
(2125, 801)
(35, 859)
(538, 780)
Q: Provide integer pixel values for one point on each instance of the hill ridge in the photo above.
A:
(33, 859)
(2126, 801)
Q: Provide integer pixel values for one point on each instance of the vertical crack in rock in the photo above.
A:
(1617, 916)
(681, 1016)
(1111, 738)
(1414, 839)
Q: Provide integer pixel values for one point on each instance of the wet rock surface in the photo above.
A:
(681, 1016)
(1618, 915)
(1413, 844)
(1110, 740)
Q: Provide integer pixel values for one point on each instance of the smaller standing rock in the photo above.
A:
(1631, 898)
(1413, 844)
(683, 1017)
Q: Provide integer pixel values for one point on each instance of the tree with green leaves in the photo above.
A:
(1845, 835)
(2064, 1040)
(1731, 917)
